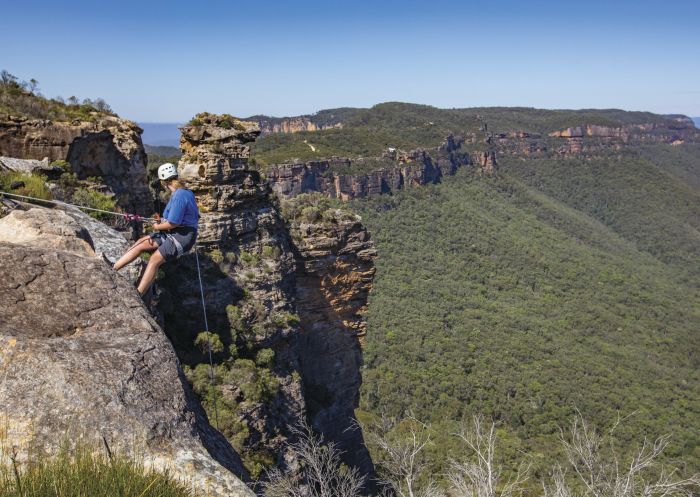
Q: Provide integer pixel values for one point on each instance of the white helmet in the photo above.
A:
(167, 171)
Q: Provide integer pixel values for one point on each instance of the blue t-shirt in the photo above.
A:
(182, 208)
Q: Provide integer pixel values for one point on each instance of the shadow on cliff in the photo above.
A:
(178, 296)
(330, 361)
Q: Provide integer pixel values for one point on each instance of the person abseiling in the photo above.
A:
(176, 230)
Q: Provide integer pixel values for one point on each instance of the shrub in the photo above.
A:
(63, 164)
(80, 472)
(271, 252)
(265, 358)
(94, 200)
(34, 184)
(248, 258)
(206, 339)
(216, 256)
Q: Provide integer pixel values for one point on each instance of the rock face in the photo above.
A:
(257, 282)
(248, 267)
(292, 125)
(27, 166)
(68, 229)
(335, 270)
(81, 360)
(108, 148)
(414, 168)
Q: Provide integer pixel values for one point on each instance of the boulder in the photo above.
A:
(81, 360)
(26, 166)
(69, 230)
(48, 229)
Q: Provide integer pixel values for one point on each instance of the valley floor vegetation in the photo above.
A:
(559, 283)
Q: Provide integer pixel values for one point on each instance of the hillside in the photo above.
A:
(493, 297)
(568, 279)
(368, 132)
(22, 98)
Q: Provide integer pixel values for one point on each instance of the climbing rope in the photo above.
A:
(206, 328)
(126, 215)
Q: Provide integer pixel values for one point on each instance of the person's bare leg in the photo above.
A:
(149, 274)
(145, 244)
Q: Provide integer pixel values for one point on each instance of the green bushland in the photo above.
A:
(34, 184)
(648, 199)
(526, 296)
(242, 376)
(316, 208)
(95, 200)
(79, 473)
(368, 132)
(22, 98)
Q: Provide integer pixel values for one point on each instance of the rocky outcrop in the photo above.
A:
(82, 361)
(29, 166)
(67, 229)
(334, 274)
(108, 148)
(257, 279)
(292, 124)
(248, 271)
(418, 167)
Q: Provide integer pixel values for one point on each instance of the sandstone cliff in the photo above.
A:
(82, 360)
(108, 148)
(334, 274)
(414, 168)
(288, 316)
(292, 124)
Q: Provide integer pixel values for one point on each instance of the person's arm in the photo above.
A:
(164, 225)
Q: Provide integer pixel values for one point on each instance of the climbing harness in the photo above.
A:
(206, 328)
(125, 215)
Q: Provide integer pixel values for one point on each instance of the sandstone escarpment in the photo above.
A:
(406, 169)
(82, 361)
(292, 124)
(591, 139)
(108, 148)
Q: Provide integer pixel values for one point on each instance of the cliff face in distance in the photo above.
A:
(340, 167)
(259, 279)
(109, 148)
(403, 169)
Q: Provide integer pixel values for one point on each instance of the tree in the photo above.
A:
(480, 475)
(603, 471)
(403, 466)
(7, 78)
(33, 86)
(322, 473)
(101, 105)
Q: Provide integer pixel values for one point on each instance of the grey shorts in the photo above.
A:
(176, 242)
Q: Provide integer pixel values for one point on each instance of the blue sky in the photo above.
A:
(165, 61)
